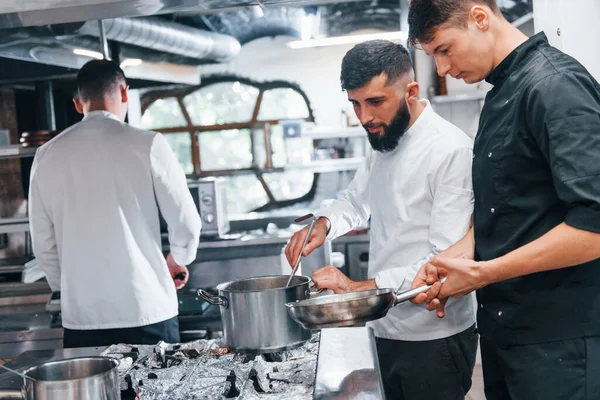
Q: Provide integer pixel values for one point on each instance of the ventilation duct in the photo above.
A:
(160, 35)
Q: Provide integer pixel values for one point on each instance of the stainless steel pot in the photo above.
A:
(84, 378)
(254, 315)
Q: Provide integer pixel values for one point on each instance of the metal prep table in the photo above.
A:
(347, 365)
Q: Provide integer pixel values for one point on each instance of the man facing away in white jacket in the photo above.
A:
(94, 200)
(416, 187)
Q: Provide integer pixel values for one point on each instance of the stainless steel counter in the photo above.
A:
(348, 367)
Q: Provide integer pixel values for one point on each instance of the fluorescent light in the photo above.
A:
(257, 11)
(130, 62)
(333, 41)
(89, 53)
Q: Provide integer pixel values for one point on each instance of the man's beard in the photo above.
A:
(392, 133)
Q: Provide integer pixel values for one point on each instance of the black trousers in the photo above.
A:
(433, 370)
(563, 370)
(148, 334)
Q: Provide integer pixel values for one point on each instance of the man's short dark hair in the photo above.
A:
(372, 58)
(426, 16)
(97, 78)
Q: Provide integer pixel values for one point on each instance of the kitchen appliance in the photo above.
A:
(212, 205)
(349, 309)
(84, 378)
(254, 314)
(358, 261)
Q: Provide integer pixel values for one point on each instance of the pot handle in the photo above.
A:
(12, 394)
(212, 299)
(315, 293)
(411, 294)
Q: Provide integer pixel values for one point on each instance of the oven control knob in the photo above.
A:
(209, 218)
(207, 200)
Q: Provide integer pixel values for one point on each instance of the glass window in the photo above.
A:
(282, 103)
(163, 113)
(226, 149)
(290, 150)
(221, 103)
(289, 185)
(244, 194)
(181, 144)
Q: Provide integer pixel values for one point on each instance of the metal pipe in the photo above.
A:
(103, 41)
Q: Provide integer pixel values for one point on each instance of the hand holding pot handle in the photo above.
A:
(410, 294)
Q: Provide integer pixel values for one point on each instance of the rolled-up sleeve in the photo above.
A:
(451, 212)
(568, 129)
(351, 208)
(175, 202)
(43, 238)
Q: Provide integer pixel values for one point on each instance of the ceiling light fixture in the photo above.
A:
(131, 62)
(88, 53)
(338, 40)
(306, 28)
(257, 11)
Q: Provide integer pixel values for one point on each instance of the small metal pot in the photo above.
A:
(254, 315)
(84, 378)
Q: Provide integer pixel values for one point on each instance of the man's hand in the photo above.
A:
(463, 276)
(331, 278)
(429, 274)
(317, 238)
(179, 273)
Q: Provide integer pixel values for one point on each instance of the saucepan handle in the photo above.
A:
(411, 294)
(213, 299)
(6, 394)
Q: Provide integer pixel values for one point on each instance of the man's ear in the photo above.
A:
(78, 105)
(480, 16)
(124, 93)
(412, 92)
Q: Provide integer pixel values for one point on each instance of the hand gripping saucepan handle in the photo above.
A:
(310, 229)
(411, 294)
(213, 299)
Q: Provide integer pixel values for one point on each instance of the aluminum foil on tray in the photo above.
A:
(204, 369)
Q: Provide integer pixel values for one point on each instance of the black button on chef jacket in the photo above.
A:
(536, 165)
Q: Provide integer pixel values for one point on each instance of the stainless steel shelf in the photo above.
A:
(10, 225)
(469, 96)
(334, 132)
(333, 165)
(16, 151)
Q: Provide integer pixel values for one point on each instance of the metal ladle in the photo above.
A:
(310, 228)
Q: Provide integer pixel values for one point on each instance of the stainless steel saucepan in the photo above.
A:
(84, 378)
(348, 309)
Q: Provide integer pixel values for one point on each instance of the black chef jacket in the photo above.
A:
(537, 164)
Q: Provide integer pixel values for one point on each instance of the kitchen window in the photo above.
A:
(231, 127)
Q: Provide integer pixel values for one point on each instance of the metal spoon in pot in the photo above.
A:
(310, 228)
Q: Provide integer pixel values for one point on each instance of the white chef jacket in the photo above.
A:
(420, 200)
(94, 197)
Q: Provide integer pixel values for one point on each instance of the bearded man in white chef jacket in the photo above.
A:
(416, 187)
(94, 200)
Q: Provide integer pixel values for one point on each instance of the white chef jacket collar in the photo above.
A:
(422, 121)
(100, 114)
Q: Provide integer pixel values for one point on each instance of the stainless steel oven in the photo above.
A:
(211, 198)
(357, 260)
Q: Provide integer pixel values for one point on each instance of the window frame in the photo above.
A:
(253, 124)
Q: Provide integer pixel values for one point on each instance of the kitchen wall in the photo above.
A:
(316, 70)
